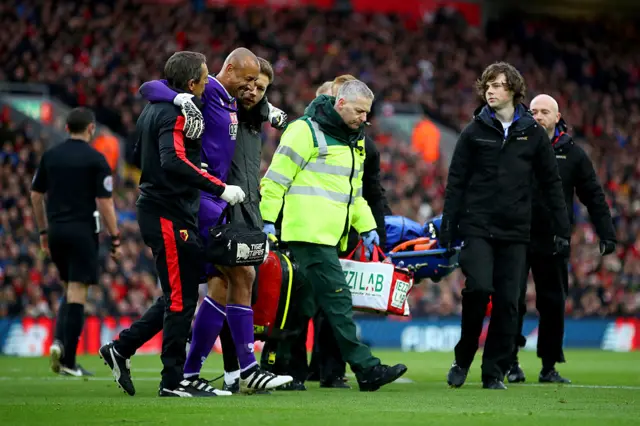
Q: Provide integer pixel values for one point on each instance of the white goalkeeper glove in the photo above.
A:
(233, 194)
(194, 122)
(277, 117)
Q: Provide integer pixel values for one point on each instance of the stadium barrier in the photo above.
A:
(33, 336)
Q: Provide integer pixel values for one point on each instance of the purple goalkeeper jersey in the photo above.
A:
(220, 113)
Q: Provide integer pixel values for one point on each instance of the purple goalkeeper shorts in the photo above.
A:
(208, 216)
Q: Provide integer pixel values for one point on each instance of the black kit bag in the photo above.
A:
(236, 244)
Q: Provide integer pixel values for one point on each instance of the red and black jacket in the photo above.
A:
(171, 178)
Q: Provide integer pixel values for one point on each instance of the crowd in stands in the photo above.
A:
(98, 53)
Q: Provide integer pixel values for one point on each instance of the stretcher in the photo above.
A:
(415, 247)
(429, 263)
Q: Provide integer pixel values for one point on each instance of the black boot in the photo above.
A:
(457, 375)
(515, 374)
(493, 384)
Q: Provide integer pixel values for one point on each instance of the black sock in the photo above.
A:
(547, 366)
(61, 321)
(59, 330)
(73, 329)
(229, 356)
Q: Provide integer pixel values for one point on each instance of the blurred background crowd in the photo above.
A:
(97, 53)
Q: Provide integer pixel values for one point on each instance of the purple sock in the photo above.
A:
(206, 327)
(240, 319)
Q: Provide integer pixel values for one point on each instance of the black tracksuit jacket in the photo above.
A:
(171, 178)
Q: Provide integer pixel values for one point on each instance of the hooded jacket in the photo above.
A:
(489, 188)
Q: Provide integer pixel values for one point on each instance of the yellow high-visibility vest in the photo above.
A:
(319, 178)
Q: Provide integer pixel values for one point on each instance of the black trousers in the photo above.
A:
(178, 254)
(143, 330)
(326, 352)
(551, 279)
(492, 268)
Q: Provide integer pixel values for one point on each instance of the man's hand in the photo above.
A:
(450, 250)
(233, 194)
(446, 237)
(370, 239)
(116, 252)
(607, 247)
(269, 229)
(277, 117)
(561, 246)
(194, 122)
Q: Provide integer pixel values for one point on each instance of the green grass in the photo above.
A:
(606, 391)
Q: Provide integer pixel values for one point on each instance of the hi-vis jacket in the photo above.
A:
(317, 172)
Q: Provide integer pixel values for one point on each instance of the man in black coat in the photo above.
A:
(550, 272)
(488, 205)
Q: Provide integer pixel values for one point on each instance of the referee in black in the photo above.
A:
(550, 272)
(75, 177)
(170, 185)
(488, 204)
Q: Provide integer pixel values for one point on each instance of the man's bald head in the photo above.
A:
(547, 101)
(545, 110)
(239, 57)
(239, 71)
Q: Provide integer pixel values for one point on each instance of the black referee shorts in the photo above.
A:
(74, 251)
(179, 257)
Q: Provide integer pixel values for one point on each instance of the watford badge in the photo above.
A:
(184, 234)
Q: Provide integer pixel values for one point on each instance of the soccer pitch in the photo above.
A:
(606, 391)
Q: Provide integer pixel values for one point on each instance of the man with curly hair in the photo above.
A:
(488, 205)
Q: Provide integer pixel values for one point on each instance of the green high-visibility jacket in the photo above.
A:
(319, 178)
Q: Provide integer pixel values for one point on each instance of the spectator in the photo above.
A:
(98, 53)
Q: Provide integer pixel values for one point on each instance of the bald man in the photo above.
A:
(239, 73)
(550, 272)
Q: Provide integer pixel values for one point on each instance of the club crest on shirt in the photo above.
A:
(184, 234)
(233, 126)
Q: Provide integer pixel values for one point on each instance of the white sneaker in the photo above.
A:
(260, 380)
(192, 388)
(203, 386)
(55, 355)
(76, 371)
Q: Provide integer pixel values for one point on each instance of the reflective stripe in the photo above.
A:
(294, 156)
(359, 192)
(329, 169)
(323, 150)
(278, 178)
(319, 192)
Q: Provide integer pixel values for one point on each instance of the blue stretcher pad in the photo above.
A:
(426, 263)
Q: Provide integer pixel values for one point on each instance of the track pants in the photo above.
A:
(178, 254)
